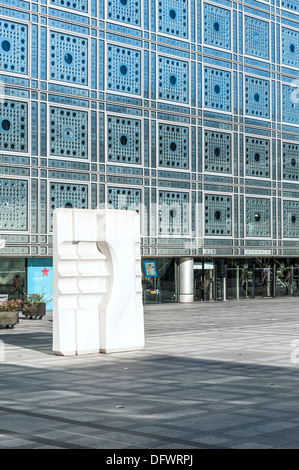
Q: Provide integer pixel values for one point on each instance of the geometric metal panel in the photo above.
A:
(124, 198)
(173, 146)
(290, 5)
(290, 47)
(173, 213)
(258, 221)
(13, 126)
(256, 41)
(67, 195)
(123, 70)
(257, 157)
(218, 215)
(217, 89)
(68, 58)
(217, 151)
(291, 219)
(217, 26)
(126, 11)
(173, 80)
(68, 132)
(257, 97)
(79, 5)
(124, 140)
(290, 161)
(290, 104)
(13, 204)
(13, 47)
(173, 17)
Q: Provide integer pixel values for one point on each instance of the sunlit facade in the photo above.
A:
(184, 110)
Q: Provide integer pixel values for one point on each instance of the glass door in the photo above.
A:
(287, 278)
(239, 281)
(203, 281)
(263, 279)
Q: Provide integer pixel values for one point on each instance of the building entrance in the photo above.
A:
(286, 278)
(216, 279)
(263, 279)
(259, 277)
(239, 281)
(203, 280)
(249, 278)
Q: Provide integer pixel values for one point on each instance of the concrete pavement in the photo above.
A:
(212, 375)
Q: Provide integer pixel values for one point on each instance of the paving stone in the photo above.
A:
(212, 375)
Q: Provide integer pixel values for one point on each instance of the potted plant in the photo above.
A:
(34, 305)
(9, 312)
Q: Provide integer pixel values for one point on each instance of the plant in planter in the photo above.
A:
(9, 312)
(34, 305)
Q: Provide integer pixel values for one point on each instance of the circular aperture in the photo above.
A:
(172, 14)
(293, 162)
(68, 58)
(256, 97)
(216, 26)
(68, 205)
(5, 124)
(217, 152)
(172, 213)
(123, 140)
(172, 80)
(257, 217)
(124, 2)
(5, 45)
(217, 89)
(256, 38)
(217, 215)
(173, 146)
(292, 48)
(123, 69)
(293, 219)
(68, 133)
(257, 157)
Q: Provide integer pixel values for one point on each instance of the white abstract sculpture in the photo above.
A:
(97, 291)
(2, 244)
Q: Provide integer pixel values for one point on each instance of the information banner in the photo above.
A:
(40, 278)
(150, 269)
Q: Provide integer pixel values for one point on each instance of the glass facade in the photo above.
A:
(184, 110)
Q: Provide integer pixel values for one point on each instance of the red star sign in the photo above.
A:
(45, 272)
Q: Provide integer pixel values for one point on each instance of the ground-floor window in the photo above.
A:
(159, 280)
(12, 277)
(214, 279)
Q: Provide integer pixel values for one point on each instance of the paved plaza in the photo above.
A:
(213, 375)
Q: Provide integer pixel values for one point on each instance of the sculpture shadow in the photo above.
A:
(36, 341)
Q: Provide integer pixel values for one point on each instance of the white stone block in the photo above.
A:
(96, 277)
(87, 331)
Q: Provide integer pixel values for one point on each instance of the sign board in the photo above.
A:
(40, 278)
(150, 269)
